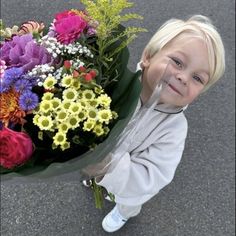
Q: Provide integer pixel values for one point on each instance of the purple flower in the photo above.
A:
(9, 78)
(23, 85)
(23, 51)
(28, 101)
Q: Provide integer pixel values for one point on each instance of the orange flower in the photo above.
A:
(9, 108)
(31, 26)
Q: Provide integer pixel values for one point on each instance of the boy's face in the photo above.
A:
(187, 60)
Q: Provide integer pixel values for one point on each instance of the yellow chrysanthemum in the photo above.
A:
(84, 103)
(70, 94)
(45, 106)
(45, 122)
(66, 81)
(59, 138)
(104, 116)
(47, 96)
(92, 113)
(106, 130)
(114, 115)
(75, 107)
(82, 115)
(98, 90)
(49, 82)
(61, 115)
(104, 100)
(35, 119)
(93, 103)
(98, 130)
(73, 122)
(65, 104)
(63, 127)
(76, 84)
(65, 146)
(88, 125)
(56, 102)
(88, 94)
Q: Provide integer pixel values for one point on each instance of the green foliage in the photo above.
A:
(112, 37)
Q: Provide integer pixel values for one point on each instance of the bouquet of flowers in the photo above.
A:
(65, 91)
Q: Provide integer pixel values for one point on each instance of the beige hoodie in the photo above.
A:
(147, 159)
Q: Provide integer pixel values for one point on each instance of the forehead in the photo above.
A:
(187, 42)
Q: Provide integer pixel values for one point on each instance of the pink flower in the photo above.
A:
(15, 148)
(69, 26)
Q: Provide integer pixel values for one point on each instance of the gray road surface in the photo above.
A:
(199, 201)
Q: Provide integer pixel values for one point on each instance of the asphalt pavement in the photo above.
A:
(200, 199)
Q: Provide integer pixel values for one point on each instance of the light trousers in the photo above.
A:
(128, 211)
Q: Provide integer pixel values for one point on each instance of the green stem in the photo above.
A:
(98, 196)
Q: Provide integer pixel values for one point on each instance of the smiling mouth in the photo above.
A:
(172, 87)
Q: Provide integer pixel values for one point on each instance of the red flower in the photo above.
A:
(93, 73)
(88, 77)
(67, 64)
(15, 148)
(69, 26)
(75, 74)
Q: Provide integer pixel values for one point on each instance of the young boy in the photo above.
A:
(191, 54)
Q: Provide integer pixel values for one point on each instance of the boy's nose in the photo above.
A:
(182, 77)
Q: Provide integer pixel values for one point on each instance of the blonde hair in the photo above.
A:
(196, 25)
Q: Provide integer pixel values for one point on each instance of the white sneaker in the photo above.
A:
(87, 183)
(113, 221)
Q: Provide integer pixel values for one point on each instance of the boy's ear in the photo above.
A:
(145, 59)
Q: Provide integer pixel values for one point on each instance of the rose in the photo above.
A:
(69, 26)
(15, 148)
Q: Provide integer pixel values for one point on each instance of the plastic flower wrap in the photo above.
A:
(66, 93)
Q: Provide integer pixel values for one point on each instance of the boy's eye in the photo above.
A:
(198, 79)
(177, 62)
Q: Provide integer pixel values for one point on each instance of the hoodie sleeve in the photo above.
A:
(137, 177)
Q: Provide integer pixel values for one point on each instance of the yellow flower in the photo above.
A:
(49, 82)
(104, 100)
(106, 130)
(76, 84)
(67, 81)
(114, 115)
(73, 122)
(45, 106)
(88, 125)
(75, 107)
(70, 94)
(59, 138)
(104, 116)
(82, 115)
(47, 96)
(65, 104)
(63, 127)
(92, 113)
(65, 146)
(84, 103)
(88, 94)
(98, 90)
(93, 103)
(98, 130)
(35, 119)
(61, 115)
(56, 102)
(45, 122)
